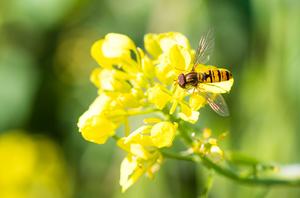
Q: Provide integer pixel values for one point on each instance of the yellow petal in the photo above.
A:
(110, 80)
(97, 54)
(173, 107)
(196, 101)
(188, 114)
(179, 93)
(115, 50)
(163, 134)
(151, 43)
(100, 104)
(193, 118)
(94, 125)
(216, 153)
(97, 129)
(165, 73)
(140, 135)
(151, 120)
(128, 100)
(206, 133)
(146, 64)
(158, 96)
(180, 59)
(139, 151)
(154, 166)
(212, 141)
(139, 80)
(117, 45)
(169, 39)
(130, 171)
(185, 109)
(156, 44)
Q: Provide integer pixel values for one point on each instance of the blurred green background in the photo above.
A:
(44, 87)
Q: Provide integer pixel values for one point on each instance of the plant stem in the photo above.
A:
(177, 156)
(227, 172)
(249, 180)
(116, 137)
(232, 174)
(208, 184)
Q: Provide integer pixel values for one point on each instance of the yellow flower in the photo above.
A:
(110, 80)
(96, 128)
(173, 62)
(31, 167)
(102, 118)
(196, 102)
(158, 135)
(156, 44)
(132, 168)
(159, 96)
(162, 134)
(129, 79)
(172, 54)
(143, 155)
(115, 49)
(131, 82)
(208, 146)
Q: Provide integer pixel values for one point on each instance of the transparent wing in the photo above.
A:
(217, 87)
(217, 103)
(205, 48)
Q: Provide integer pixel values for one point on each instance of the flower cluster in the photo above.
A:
(131, 82)
(208, 146)
(143, 155)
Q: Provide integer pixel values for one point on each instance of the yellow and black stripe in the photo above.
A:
(214, 75)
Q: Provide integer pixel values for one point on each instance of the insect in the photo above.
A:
(207, 81)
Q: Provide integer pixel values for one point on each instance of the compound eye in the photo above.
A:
(181, 80)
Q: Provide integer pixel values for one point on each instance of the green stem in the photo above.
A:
(249, 180)
(126, 127)
(177, 156)
(232, 174)
(227, 172)
(116, 137)
(208, 184)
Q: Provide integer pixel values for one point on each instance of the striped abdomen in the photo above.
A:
(214, 75)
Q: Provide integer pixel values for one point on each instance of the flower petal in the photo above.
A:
(188, 114)
(158, 96)
(180, 59)
(152, 45)
(169, 39)
(163, 134)
(97, 129)
(97, 54)
(196, 101)
(156, 44)
(110, 80)
(115, 50)
(117, 45)
(130, 171)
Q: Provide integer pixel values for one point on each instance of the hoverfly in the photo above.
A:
(208, 81)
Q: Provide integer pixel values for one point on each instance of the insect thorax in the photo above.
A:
(191, 78)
